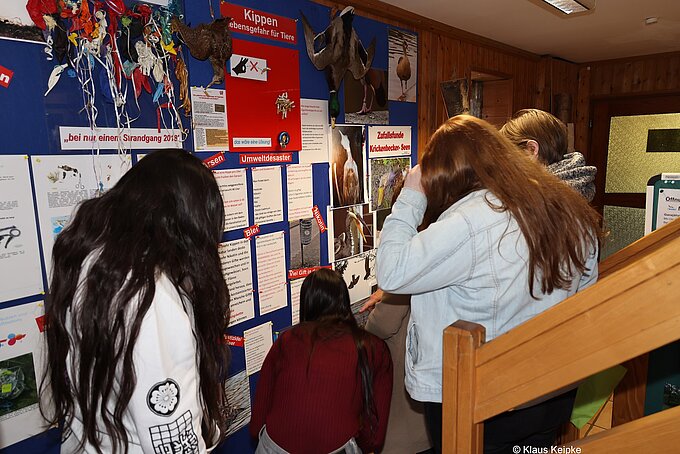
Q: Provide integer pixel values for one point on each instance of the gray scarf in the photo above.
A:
(572, 169)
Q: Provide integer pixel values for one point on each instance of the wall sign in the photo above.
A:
(259, 23)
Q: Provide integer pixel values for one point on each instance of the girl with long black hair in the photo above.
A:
(136, 313)
(325, 384)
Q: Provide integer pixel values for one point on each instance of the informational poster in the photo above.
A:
(209, 115)
(267, 195)
(387, 177)
(63, 181)
(389, 141)
(20, 273)
(403, 65)
(314, 117)
(300, 191)
(267, 80)
(668, 206)
(359, 275)
(238, 273)
(271, 271)
(237, 390)
(234, 192)
(21, 363)
(259, 23)
(295, 286)
(83, 138)
(258, 341)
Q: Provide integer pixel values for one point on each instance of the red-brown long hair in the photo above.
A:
(466, 154)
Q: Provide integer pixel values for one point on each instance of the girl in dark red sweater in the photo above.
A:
(325, 385)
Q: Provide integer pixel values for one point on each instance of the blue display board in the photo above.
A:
(30, 125)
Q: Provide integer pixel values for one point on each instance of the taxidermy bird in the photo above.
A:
(350, 193)
(340, 51)
(404, 70)
(208, 42)
(375, 81)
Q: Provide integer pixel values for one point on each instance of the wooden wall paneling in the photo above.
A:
(582, 128)
(673, 79)
(541, 100)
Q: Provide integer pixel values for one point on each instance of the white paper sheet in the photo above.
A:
(384, 141)
(314, 118)
(63, 181)
(295, 287)
(300, 191)
(234, 191)
(237, 271)
(237, 390)
(271, 272)
(267, 194)
(209, 115)
(668, 206)
(21, 365)
(359, 275)
(258, 341)
(20, 272)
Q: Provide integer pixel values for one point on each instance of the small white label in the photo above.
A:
(247, 67)
(248, 142)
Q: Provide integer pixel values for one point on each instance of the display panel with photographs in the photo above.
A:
(347, 165)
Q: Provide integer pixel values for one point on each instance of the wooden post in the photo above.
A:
(460, 433)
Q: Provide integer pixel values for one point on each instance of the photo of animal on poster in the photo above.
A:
(347, 165)
(352, 229)
(403, 65)
(359, 275)
(366, 99)
(304, 244)
(387, 176)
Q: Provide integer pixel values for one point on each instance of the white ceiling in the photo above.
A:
(613, 29)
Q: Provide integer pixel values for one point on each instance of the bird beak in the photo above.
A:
(381, 194)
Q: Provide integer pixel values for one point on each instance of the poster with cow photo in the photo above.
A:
(347, 165)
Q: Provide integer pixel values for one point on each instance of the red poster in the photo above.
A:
(263, 98)
(260, 23)
(5, 76)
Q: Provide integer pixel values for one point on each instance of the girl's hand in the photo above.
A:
(413, 180)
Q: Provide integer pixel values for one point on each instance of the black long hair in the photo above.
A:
(164, 216)
(325, 306)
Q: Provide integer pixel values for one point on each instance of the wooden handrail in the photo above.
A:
(629, 395)
(630, 311)
(640, 248)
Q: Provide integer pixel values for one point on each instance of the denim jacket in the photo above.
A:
(472, 264)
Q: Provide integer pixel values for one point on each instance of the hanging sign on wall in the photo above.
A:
(259, 23)
(5, 76)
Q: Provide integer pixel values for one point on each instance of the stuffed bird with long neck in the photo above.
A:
(340, 51)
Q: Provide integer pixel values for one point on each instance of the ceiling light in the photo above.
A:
(651, 20)
(571, 6)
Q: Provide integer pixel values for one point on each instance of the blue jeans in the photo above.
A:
(269, 446)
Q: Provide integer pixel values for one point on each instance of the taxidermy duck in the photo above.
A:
(350, 193)
(340, 51)
(207, 42)
(404, 70)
